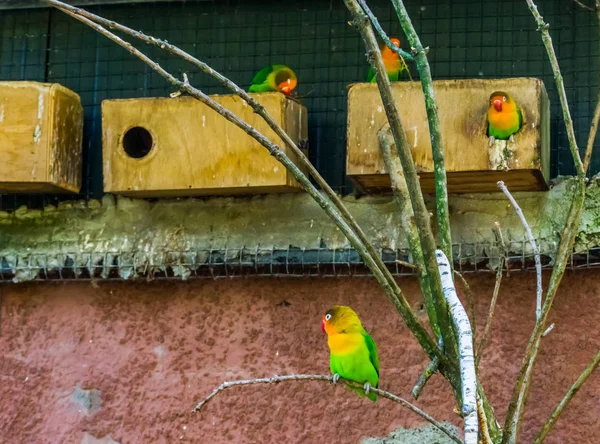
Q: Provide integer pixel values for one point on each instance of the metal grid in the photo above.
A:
(261, 261)
(468, 38)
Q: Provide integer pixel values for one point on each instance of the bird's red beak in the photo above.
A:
(498, 105)
(288, 86)
(323, 326)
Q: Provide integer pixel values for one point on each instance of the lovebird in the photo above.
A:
(353, 353)
(394, 65)
(504, 117)
(274, 78)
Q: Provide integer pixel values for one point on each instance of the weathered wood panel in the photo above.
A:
(41, 129)
(193, 150)
(463, 104)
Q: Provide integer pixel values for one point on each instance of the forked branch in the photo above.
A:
(534, 248)
(381, 273)
(516, 407)
(327, 378)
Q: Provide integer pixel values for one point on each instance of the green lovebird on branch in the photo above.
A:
(274, 78)
(353, 353)
(394, 64)
(504, 117)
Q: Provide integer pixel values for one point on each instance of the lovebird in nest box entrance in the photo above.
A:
(503, 116)
(394, 64)
(274, 78)
(353, 353)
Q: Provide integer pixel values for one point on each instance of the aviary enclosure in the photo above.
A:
(342, 145)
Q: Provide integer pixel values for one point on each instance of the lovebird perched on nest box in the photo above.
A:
(353, 353)
(504, 117)
(274, 78)
(394, 64)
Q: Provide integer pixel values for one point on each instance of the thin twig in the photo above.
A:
(567, 399)
(425, 376)
(428, 373)
(388, 284)
(516, 405)
(548, 330)
(327, 378)
(260, 110)
(470, 300)
(502, 245)
(466, 357)
(407, 265)
(592, 137)
(534, 247)
(485, 430)
(542, 27)
(584, 6)
(488, 323)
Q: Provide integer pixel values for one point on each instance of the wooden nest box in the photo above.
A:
(163, 147)
(472, 165)
(41, 129)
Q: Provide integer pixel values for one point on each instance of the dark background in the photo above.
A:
(467, 38)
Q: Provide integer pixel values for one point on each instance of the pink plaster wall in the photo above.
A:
(155, 349)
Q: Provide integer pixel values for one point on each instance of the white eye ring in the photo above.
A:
(504, 99)
(327, 317)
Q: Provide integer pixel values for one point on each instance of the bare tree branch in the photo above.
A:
(594, 125)
(485, 432)
(488, 324)
(327, 378)
(382, 275)
(560, 85)
(516, 406)
(592, 137)
(428, 373)
(408, 265)
(422, 219)
(583, 5)
(567, 399)
(468, 376)
(548, 330)
(435, 131)
(407, 219)
(258, 108)
(534, 247)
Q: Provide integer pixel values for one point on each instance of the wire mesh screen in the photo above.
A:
(267, 262)
(468, 39)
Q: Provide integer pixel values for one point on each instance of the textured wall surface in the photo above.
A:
(130, 360)
(143, 236)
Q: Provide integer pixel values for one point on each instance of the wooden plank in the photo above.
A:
(41, 129)
(461, 182)
(66, 129)
(462, 108)
(192, 150)
(28, 4)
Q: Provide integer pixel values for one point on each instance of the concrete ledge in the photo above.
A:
(139, 237)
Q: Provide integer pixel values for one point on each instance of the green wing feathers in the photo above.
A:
(261, 76)
(520, 118)
(373, 357)
(371, 75)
